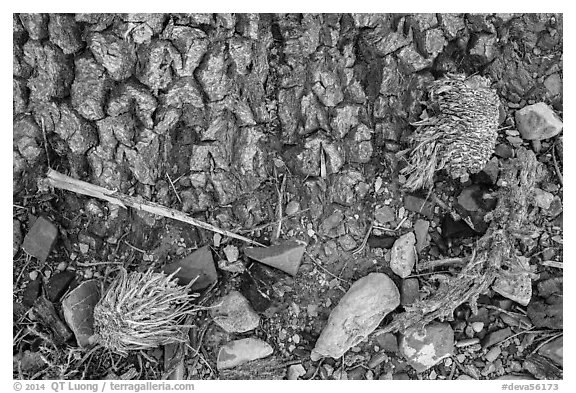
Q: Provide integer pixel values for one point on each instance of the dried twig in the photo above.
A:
(556, 167)
(173, 188)
(59, 180)
(281, 192)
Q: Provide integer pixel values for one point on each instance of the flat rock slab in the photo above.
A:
(234, 314)
(198, 264)
(78, 308)
(357, 315)
(403, 255)
(516, 286)
(554, 350)
(538, 122)
(286, 257)
(242, 351)
(16, 236)
(39, 241)
(425, 349)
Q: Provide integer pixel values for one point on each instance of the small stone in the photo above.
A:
(493, 354)
(538, 122)
(388, 342)
(197, 266)
(347, 242)
(461, 358)
(296, 339)
(409, 291)
(242, 351)
(464, 377)
(357, 315)
(295, 371)
(286, 257)
(419, 205)
(403, 255)
(477, 326)
(16, 236)
(84, 248)
(554, 350)
(40, 239)
(423, 351)
(312, 310)
(384, 215)
(543, 199)
(58, 285)
(516, 285)
(62, 266)
(231, 253)
(467, 200)
(496, 337)
(292, 208)
(554, 84)
(483, 48)
(78, 309)
(504, 151)
(33, 275)
(234, 314)
(421, 231)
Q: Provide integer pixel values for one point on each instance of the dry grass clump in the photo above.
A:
(141, 311)
(459, 136)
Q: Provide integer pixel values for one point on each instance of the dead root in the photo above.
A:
(495, 249)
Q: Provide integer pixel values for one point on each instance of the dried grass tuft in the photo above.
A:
(460, 136)
(140, 311)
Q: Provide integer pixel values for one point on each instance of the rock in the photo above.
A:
(547, 313)
(357, 315)
(78, 309)
(16, 236)
(286, 257)
(198, 264)
(117, 55)
(543, 199)
(511, 377)
(234, 314)
(384, 214)
(425, 350)
(554, 84)
(493, 354)
(419, 205)
(387, 342)
(31, 292)
(516, 283)
(39, 241)
(490, 173)
(292, 208)
(381, 241)
(89, 88)
(296, 371)
(477, 326)
(467, 198)
(231, 253)
(403, 255)
(58, 284)
(421, 231)
(538, 122)
(65, 33)
(347, 242)
(242, 351)
(503, 150)
(409, 291)
(496, 337)
(541, 367)
(554, 350)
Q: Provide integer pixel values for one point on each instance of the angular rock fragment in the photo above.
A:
(143, 26)
(360, 151)
(409, 292)
(286, 257)
(78, 309)
(345, 119)
(65, 33)
(234, 314)
(412, 60)
(115, 54)
(538, 122)
(199, 266)
(39, 241)
(421, 232)
(89, 88)
(425, 349)
(238, 352)
(403, 255)
(79, 134)
(516, 282)
(554, 350)
(357, 315)
(16, 236)
(211, 74)
(295, 371)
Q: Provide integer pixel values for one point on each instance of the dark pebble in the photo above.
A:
(381, 241)
(58, 285)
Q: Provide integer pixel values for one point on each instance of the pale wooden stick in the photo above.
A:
(59, 180)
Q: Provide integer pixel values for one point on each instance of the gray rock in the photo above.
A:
(89, 88)
(496, 337)
(234, 314)
(384, 214)
(39, 241)
(295, 371)
(409, 291)
(538, 122)
(425, 349)
(115, 54)
(554, 350)
(516, 285)
(421, 231)
(554, 84)
(466, 198)
(16, 236)
(65, 33)
(412, 61)
(419, 205)
(543, 199)
(484, 48)
(345, 119)
(242, 351)
(357, 315)
(452, 24)
(403, 255)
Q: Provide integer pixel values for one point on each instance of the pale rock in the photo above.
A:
(295, 371)
(242, 351)
(425, 349)
(357, 315)
(421, 231)
(516, 284)
(538, 122)
(554, 350)
(234, 314)
(231, 253)
(403, 255)
(543, 199)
